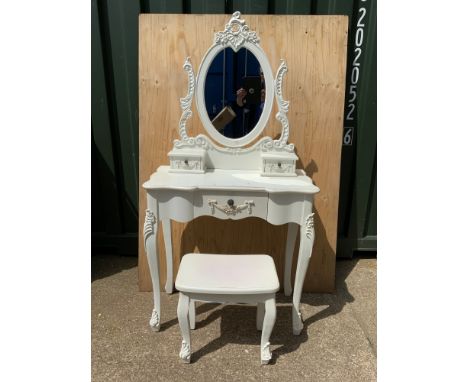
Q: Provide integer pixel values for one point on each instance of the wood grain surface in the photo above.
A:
(315, 50)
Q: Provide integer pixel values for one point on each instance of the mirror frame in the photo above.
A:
(236, 36)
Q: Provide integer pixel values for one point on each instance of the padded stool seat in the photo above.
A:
(227, 274)
(227, 279)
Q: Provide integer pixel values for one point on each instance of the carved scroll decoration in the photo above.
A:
(148, 228)
(266, 353)
(185, 352)
(280, 144)
(186, 104)
(236, 33)
(231, 211)
(309, 225)
(154, 320)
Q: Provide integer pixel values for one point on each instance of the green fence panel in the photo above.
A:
(358, 193)
(206, 6)
(291, 7)
(105, 195)
(253, 7)
(122, 19)
(162, 6)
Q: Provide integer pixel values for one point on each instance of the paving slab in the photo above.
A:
(338, 342)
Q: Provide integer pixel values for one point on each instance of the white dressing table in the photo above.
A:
(232, 182)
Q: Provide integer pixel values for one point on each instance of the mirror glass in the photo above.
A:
(234, 92)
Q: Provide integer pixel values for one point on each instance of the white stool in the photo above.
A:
(250, 279)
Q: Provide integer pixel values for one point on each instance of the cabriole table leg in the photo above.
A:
(291, 240)
(150, 233)
(305, 252)
(166, 227)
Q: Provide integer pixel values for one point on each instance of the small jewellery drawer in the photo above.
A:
(188, 163)
(281, 164)
(231, 204)
(187, 160)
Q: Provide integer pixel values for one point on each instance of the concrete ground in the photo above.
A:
(338, 342)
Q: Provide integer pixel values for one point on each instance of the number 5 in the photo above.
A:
(352, 92)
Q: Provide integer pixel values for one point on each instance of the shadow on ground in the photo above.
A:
(238, 321)
(103, 266)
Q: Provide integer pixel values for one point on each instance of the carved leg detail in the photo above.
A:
(268, 323)
(155, 321)
(260, 315)
(192, 314)
(149, 233)
(166, 226)
(305, 252)
(291, 240)
(183, 316)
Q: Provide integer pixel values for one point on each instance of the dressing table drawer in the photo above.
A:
(279, 164)
(231, 205)
(187, 161)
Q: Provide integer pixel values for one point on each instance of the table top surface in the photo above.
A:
(227, 274)
(241, 180)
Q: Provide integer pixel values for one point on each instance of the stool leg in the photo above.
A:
(268, 323)
(192, 314)
(183, 316)
(260, 315)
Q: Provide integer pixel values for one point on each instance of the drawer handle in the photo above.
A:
(230, 208)
(187, 164)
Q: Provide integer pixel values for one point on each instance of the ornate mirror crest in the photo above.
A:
(236, 36)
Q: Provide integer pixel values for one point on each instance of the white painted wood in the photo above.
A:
(188, 160)
(227, 274)
(166, 226)
(233, 156)
(183, 197)
(248, 279)
(249, 41)
(216, 203)
(175, 204)
(260, 315)
(192, 314)
(230, 158)
(230, 180)
(183, 317)
(150, 230)
(268, 324)
(305, 252)
(290, 242)
(286, 208)
(278, 164)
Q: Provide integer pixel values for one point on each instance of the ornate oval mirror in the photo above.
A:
(234, 91)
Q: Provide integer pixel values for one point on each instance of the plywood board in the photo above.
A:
(315, 50)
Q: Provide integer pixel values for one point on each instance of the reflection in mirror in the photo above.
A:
(234, 92)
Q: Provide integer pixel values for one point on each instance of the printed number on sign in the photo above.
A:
(348, 136)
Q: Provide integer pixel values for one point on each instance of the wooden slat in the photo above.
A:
(315, 49)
